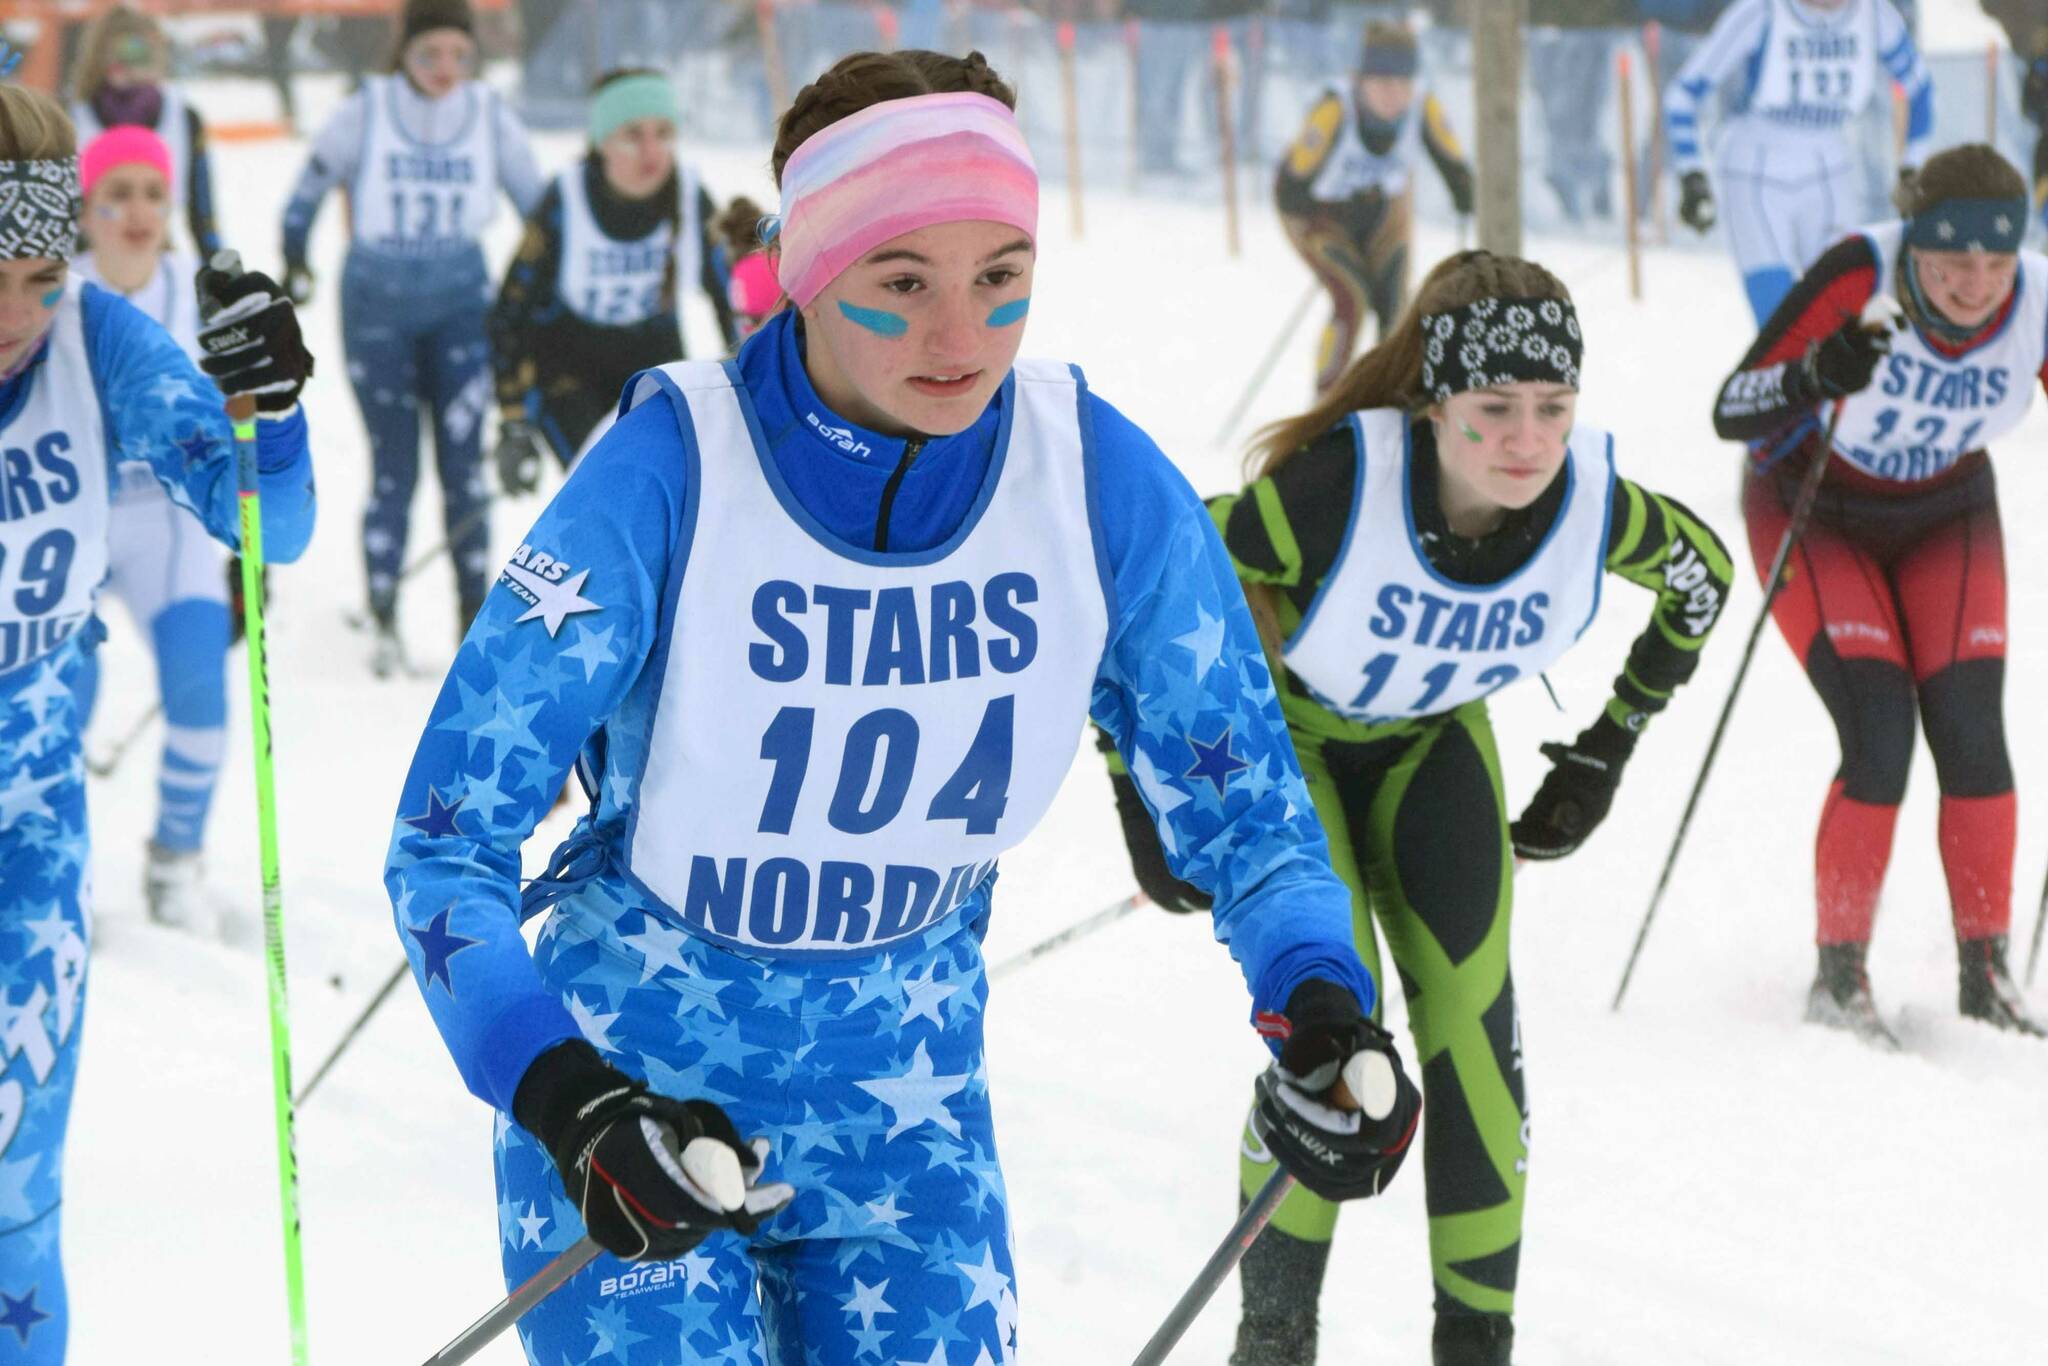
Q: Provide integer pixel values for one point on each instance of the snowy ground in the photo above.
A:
(1713, 1182)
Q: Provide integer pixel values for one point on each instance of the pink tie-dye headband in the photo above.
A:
(896, 167)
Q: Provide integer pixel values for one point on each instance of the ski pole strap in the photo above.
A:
(579, 862)
(1228, 1254)
(544, 1282)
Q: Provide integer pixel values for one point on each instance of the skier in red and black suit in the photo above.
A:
(1895, 596)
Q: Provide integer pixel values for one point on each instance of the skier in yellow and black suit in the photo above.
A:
(1438, 526)
(1342, 189)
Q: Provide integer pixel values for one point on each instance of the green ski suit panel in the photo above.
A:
(1417, 822)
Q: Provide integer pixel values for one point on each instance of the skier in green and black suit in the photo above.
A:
(1437, 527)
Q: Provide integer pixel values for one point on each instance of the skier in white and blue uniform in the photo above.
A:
(423, 152)
(824, 624)
(164, 567)
(88, 382)
(1786, 164)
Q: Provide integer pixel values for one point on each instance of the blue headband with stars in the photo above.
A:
(1969, 225)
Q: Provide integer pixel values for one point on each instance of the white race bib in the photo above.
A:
(1388, 637)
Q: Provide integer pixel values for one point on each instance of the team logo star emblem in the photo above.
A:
(197, 448)
(1945, 231)
(1214, 761)
(437, 946)
(552, 603)
(438, 820)
(21, 1314)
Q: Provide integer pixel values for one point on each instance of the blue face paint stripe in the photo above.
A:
(878, 321)
(50, 299)
(1011, 312)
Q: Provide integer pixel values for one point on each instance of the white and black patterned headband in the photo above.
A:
(39, 209)
(1499, 341)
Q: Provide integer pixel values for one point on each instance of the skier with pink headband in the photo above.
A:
(172, 577)
(820, 628)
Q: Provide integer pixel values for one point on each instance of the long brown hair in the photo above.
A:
(34, 127)
(102, 35)
(1390, 375)
(861, 79)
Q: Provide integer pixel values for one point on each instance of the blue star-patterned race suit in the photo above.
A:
(155, 407)
(864, 1070)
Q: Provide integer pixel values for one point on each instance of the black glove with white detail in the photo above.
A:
(1577, 792)
(1839, 364)
(652, 1176)
(250, 333)
(519, 452)
(1313, 1126)
(1695, 201)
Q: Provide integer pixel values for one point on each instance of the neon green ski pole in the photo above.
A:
(242, 412)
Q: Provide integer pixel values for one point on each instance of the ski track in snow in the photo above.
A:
(1712, 1183)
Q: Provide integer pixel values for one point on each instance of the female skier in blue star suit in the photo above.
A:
(87, 383)
(824, 624)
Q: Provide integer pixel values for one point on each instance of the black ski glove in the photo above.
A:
(1141, 839)
(1695, 201)
(250, 333)
(1576, 793)
(1839, 364)
(652, 1176)
(1340, 1154)
(519, 452)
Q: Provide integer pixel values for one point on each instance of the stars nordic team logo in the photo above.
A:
(551, 592)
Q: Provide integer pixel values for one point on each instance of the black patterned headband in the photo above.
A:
(1499, 341)
(39, 209)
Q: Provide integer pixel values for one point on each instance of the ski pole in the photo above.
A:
(242, 413)
(2040, 918)
(104, 766)
(1802, 508)
(349, 1035)
(1079, 930)
(1265, 370)
(507, 1312)
(1228, 1253)
(1882, 313)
